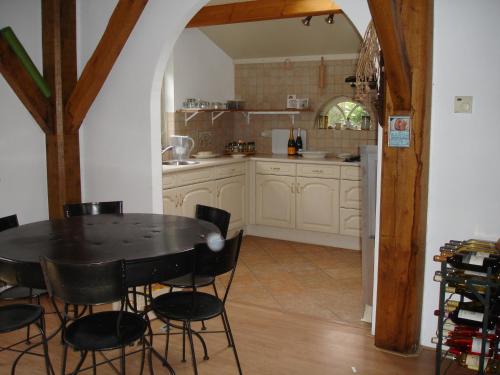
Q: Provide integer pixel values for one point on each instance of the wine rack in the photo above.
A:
(484, 289)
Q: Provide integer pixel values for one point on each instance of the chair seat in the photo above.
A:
(186, 281)
(13, 317)
(20, 292)
(181, 306)
(98, 331)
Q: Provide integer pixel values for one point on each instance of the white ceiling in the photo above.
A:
(284, 37)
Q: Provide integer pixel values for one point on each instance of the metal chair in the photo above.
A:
(93, 208)
(221, 219)
(17, 292)
(18, 316)
(193, 306)
(95, 284)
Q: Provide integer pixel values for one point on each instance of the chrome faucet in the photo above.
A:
(166, 149)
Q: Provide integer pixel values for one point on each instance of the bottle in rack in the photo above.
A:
(291, 144)
(472, 262)
(298, 142)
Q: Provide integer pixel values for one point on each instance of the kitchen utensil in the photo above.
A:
(235, 104)
(280, 140)
(210, 155)
(313, 154)
(183, 145)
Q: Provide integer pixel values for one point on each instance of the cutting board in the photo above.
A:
(280, 140)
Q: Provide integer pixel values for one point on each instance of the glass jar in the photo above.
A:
(251, 147)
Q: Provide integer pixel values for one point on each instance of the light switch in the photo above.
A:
(463, 104)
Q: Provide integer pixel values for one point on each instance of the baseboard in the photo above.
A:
(303, 236)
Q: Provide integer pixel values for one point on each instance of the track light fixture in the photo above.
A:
(307, 21)
(329, 20)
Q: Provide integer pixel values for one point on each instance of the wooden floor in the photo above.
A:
(271, 339)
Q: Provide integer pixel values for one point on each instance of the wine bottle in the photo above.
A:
(298, 142)
(473, 242)
(471, 318)
(291, 144)
(467, 344)
(471, 262)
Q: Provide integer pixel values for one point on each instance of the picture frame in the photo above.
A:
(399, 132)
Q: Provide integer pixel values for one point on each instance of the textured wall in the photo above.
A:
(266, 86)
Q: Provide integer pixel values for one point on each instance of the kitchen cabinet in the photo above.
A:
(317, 202)
(275, 200)
(350, 201)
(286, 199)
(231, 196)
(221, 186)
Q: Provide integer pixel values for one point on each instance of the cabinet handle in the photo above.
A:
(299, 188)
(218, 193)
(181, 200)
(275, 168)
(317, 171)
(176, 201)
(292, 188)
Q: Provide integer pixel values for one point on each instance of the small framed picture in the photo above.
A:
(291, 101)
(399, 131)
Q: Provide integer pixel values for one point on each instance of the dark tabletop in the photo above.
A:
(98, 238)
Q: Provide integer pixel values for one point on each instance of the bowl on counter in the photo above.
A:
(235, 104)
(313, 154)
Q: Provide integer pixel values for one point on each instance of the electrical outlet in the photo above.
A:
(463, 104)
(205, 141)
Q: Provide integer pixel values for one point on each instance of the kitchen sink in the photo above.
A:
(180, 162)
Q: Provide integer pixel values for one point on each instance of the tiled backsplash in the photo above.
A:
(266, 86)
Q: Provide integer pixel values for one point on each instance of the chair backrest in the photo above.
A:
(21, 273)
(215, 263)
(214, 215)
(93, 208)
(8, 222)
(85, 284)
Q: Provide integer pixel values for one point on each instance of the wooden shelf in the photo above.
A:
(189, 114)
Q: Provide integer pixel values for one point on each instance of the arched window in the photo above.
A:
(346, 114)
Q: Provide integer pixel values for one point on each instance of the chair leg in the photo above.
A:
(183, 342)
(229, 343)
(122, 361)
(43, 342)
(94, 367)
(80, 363)
(143, 355)
(64, 359)
(191, 344)
(224, 313)
(167, 339)
(48, 365)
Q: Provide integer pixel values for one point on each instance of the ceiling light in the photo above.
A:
(307, 21)
(329, 20)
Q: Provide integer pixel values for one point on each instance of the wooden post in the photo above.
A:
(404, 184)
(59, 69)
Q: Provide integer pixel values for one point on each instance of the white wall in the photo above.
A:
(23, 177)
(201, 69)
(120, 137)
(464, 182)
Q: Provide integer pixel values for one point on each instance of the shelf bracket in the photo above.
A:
(246, 115)
(216, 115)
(189, 116)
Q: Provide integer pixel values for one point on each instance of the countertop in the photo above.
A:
(260, 157)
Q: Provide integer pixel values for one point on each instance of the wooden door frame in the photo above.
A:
(404, 29)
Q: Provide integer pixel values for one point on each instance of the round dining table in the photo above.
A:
(142, 240)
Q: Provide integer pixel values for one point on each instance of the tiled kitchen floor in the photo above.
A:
(318, 281)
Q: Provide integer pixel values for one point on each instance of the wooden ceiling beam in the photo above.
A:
(261, 10)
(389, 31)
(97, 69)
(23, 85)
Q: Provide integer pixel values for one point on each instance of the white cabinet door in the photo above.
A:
(317, 204)
(191, 195)
(231, 197)
(274, 200)
(171, 202)
(350, 194)
(350, 222)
